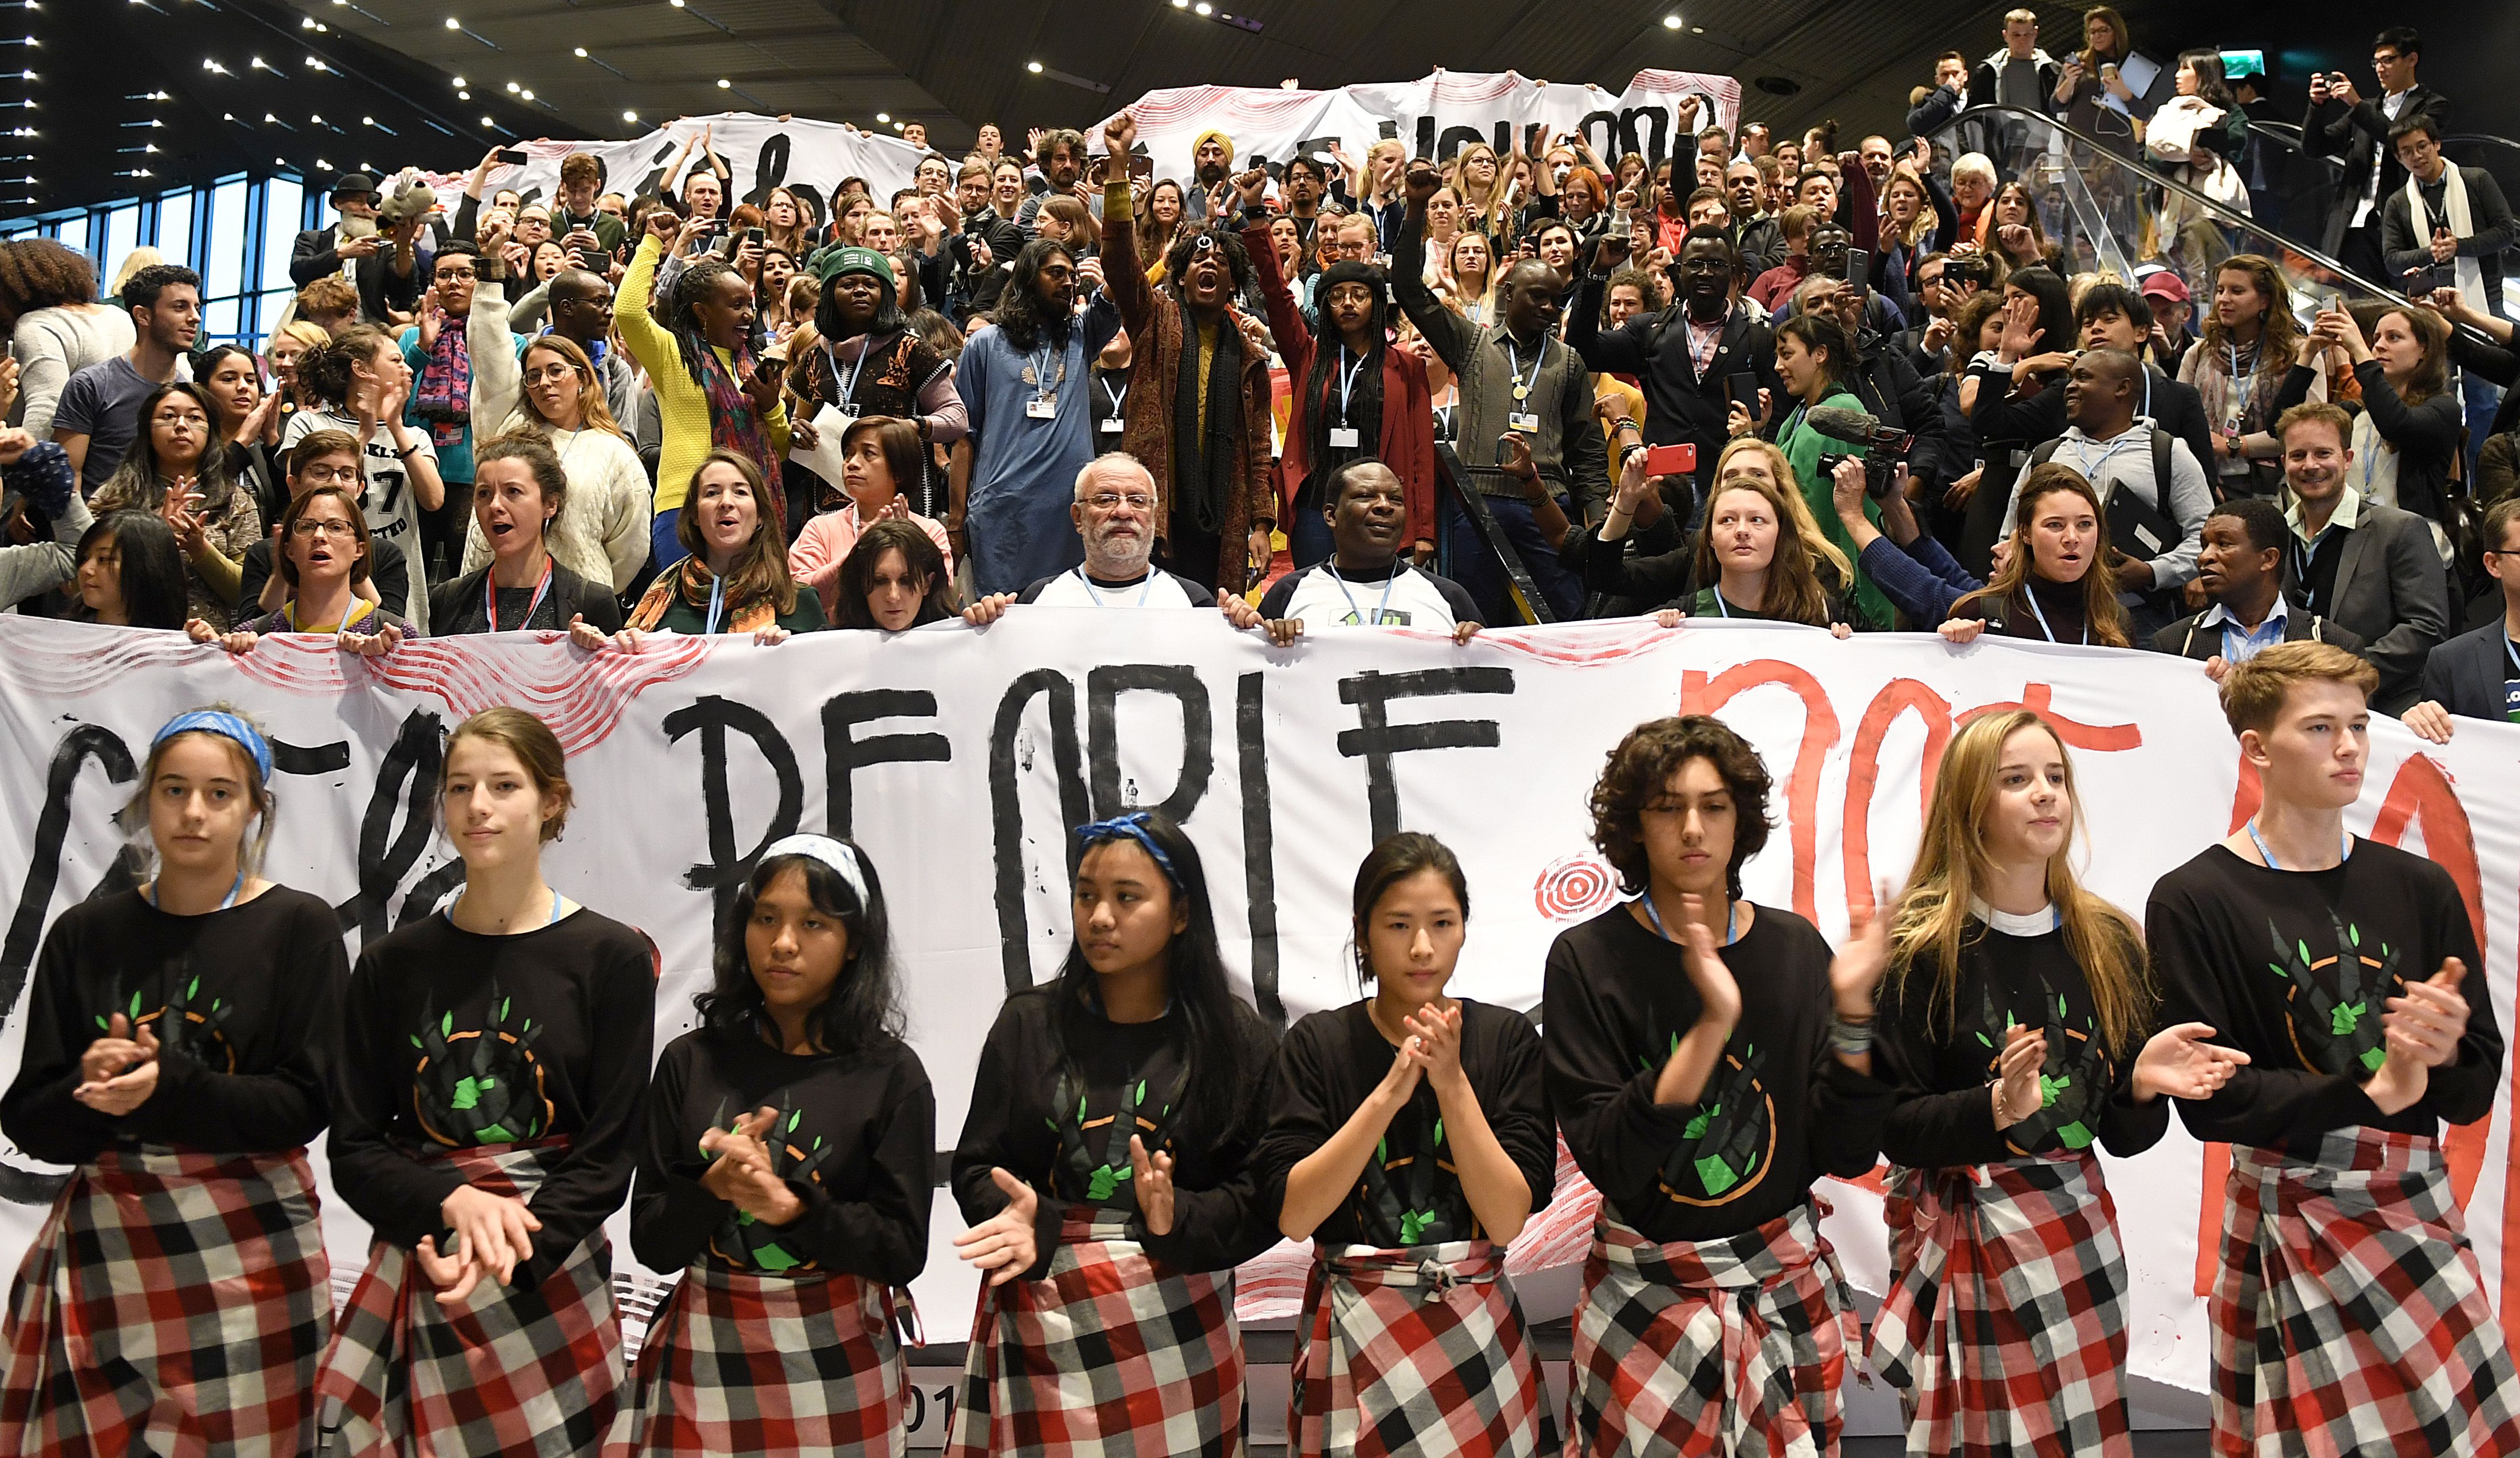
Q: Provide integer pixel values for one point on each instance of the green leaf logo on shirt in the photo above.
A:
(2343, 1017)
(1412, 1225)
(1105, 1180)
(2048, 1085)
(1697, 1127)
(468, 1091)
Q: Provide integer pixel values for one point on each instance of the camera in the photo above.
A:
(1881, 471)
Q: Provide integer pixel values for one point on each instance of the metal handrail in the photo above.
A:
(2154, 178)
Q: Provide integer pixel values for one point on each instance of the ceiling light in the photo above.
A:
(897, 127)
(723, 84)
(511, 86)
(257, 65)
(581, 53)
(884, 116)
(308, 24)
(1034, 66)
(453, 24)
(1671, 22)
(486, 121)
(463, 96)
(528, 93)
(629, 116)
(1203, 8)
(1181, 4)
(367, 122)
(461, 83)
(322, 165)
(676, 3)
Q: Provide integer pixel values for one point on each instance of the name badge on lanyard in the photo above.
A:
(1038, 408)
(1111, 424)
(1522, 419)
(1343, 438)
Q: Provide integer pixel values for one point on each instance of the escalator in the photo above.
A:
(2296, 191)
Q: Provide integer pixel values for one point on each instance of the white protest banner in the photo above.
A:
(1434, 118)
(960, 759)
(806, 156)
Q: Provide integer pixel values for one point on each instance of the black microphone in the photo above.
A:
(1854, 427)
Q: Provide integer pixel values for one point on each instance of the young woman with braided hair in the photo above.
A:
(358, 383)
(711, 394)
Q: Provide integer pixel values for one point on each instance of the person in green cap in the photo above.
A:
(860, 357)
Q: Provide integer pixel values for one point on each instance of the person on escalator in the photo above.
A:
(2018, 74)
(2109, 316)
(2447, 228)
(2355, 130)
(2090, 95)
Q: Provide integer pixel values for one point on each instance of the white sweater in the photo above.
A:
(53, 345)
(601, 531)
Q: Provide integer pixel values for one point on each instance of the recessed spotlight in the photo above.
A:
(581, 53)
(629, 116)
(528, 94)
(511, 86)
(1203, 8)
(461, 83)
(1671, 22)
(899, 127)
(884, 116)
(486, 121)
(453, 24)
(723, 84)
(1181, 4)
(307, 24)
(1034, 66)
(367, 122)
(463, 96)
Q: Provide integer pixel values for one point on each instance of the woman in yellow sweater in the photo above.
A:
(710, 393)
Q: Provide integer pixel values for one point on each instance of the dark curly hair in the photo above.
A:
(1228, 244)
(1633, 780)
(38, 273)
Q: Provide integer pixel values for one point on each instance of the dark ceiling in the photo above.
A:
(876, 64)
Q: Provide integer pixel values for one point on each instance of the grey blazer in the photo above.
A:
(2391, 592)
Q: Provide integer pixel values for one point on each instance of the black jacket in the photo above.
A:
(2175, 408)
(1890, 389)
(2187, 640)
(2406, 243)
(380, 287)
(2466, 674)
(1681, 405)
(573, 595)
(2351, 135)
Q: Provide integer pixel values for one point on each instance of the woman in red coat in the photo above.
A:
(1353, 395)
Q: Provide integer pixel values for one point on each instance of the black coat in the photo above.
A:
(1681, 405)
(2350, 134)
(2187, 640)
(2466, 674)
(573, 595)
(379, 288)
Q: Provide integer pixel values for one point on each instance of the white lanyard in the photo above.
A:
(1115, 396)
(1522, 384)
(1097, 597)
(1347, 383)
(2040, 613)
(1359, 613)
(717, 603)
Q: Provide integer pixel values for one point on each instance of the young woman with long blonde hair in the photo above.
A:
(2018, 1026)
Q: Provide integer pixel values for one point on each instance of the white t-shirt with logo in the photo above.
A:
(386, 499)
(1406, 597)
(1156, 589)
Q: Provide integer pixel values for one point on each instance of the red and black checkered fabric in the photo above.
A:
(1413, 1354)
(1110, 1354)
(1734, 1347)
(174, 1302)
(2349, 1316)
(742, 1363)
(507, 1371)
(2006, 1326)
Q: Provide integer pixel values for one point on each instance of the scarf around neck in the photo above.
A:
(1204, 464)
(733, 424)
(692, 579)
(442, 395)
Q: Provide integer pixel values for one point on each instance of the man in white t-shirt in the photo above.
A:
(1367, 583)
(1114, 512)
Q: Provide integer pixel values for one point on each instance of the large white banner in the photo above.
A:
(1435, 117)
(960, 757)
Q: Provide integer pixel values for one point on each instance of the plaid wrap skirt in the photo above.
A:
(1413, 1354)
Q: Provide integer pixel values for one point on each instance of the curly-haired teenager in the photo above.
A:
(1709, 1058)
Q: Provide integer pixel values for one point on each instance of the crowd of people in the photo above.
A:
(1862, 390)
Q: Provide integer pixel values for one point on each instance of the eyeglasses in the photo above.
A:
(327, 475)
(309, 528)
(1111, 501)
(455, 275)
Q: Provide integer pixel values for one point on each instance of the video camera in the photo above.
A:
(1885, 448)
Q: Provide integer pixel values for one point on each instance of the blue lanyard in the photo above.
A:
(717, 603)
(1097, 597)
(2304, 555)
(1347, 383)
(1042, 387)
(849, 386)
(2037, 611)
(1732, 914)
(490, 596)
(233, 893)
(2269, 856)
(1357, 612)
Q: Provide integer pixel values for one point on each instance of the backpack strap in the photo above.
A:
(2161, 443)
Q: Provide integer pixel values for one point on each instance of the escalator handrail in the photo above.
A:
(2291, 136)
(2154, 177)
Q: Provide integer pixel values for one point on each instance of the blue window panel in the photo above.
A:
(175, 226)
(73, 234)
(283, 201)
(121, 235)
(231, 218)
(222, 321)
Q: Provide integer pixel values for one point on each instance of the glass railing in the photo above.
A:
(2110, 211)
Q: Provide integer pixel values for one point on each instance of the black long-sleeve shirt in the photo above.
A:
(1941, 1051)
(2294, 969)
(1779, 1112)
(1130, 1072)
(241, 1003)
(855, 1139)
(1330, 1064)
(452, 1039)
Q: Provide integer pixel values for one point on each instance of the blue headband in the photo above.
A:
(836, 854)
(1130, 827)
(227, 726)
